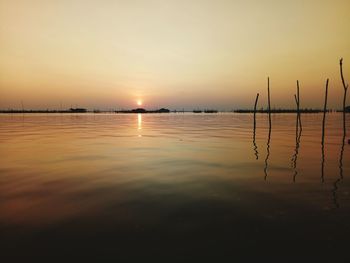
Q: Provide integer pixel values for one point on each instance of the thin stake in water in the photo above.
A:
(254, 130)
(323, 133)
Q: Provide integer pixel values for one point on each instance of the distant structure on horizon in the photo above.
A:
(205, 111)
(142, 110)
(78, 110)
(210, 111)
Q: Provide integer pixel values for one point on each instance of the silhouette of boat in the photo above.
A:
(197, 111)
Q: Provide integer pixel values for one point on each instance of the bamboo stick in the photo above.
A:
(345, 86)
(298, 105)
(256, 103)
(254, 133)
(324, 111)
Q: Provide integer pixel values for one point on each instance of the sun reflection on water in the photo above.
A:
(139, 123)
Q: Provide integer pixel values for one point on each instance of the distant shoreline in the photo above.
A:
(159, 111)
(287, 111)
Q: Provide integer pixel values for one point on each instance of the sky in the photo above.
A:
(171, 53)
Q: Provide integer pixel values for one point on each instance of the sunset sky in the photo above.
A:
(171, 53)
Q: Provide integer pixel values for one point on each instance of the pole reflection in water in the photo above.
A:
(268, 151)
(268, 140)
(110, 185)
(322, 161)
(255, 147)
(340, 178)
(298, 131)
(334, 193)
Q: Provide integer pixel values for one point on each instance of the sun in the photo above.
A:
(139, 102)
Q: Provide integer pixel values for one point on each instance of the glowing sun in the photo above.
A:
(139, 102)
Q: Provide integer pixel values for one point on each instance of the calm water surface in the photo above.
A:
(173, 187)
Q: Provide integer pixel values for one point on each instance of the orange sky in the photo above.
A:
(171, 53)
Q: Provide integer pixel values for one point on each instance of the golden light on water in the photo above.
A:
(139, 122)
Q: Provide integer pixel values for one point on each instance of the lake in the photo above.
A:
(177, 187)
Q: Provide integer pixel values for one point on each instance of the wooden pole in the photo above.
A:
(323, 127)
(345, 86)
(256, 103)
(269, 136)
(254, 143)
(324, 112)
(297, 132)
(298, 104)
